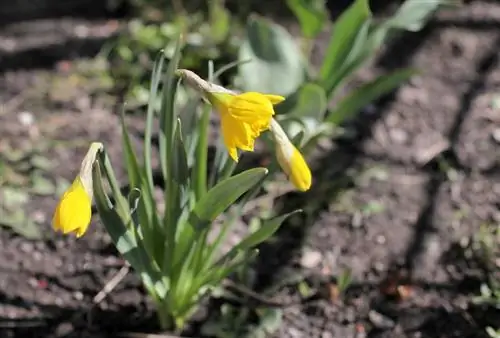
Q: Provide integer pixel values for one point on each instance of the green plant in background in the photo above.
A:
(170, 249)
(278, 64)
(157, 26)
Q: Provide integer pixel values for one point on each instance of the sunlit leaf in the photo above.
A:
(275, 65)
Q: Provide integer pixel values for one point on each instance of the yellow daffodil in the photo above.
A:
(243, 116)
(290, 159)
(73, 212)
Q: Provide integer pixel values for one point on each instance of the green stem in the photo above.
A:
(202, 154)
(115, 187)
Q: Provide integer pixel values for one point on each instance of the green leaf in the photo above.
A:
(309, 101)
(130, 157)
(148, 132)
(167, 113)
(356, 100)
(359, 52)
(201, 158)
(412, 15)
(121, 234)
(344, 280)
(224, 194)
(180, 171)
(276, 64)
(344, 33)
(267, 229)
(312, 15)
(189, 118)
(220, 21)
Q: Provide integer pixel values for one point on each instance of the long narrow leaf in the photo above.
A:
(200, 169)
(148, 132)
(367, 93)
(224, 194)
(122, 235)
(344, 32)
(267, 229)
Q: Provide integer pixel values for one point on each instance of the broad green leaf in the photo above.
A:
(357, 99)
(41, 185)
(19, 221)
(308, 101)
(276, 64)
(312, 15)
(344, 33)
(223, 195)
(267, 229)
(414, 14)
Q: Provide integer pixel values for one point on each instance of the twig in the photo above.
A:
(111, 284)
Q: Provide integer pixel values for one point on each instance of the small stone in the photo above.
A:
(311, 259)
(26, 118)
(27, 247)
(496, 135)
(59, 301)
(64, 329)
(357, 220)
(380, 321)
(78, 295)
(379, 266)
(380, 239)
(398, 135)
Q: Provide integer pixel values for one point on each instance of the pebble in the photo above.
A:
(311, 259)
(64, 329)
(380, 321)
(380, 239)
(78, 295)
(27, 247)
(496, 135)
(398, 135)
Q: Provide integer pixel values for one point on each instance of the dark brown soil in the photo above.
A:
(395, 202)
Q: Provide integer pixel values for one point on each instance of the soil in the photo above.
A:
(396, 201)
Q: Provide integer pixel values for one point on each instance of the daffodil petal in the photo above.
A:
(274, 99)
(73, 213)
(251, 107)
(236, 135)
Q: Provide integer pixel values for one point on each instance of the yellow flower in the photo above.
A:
(73, 212)
(290, 159)
(243, 117)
